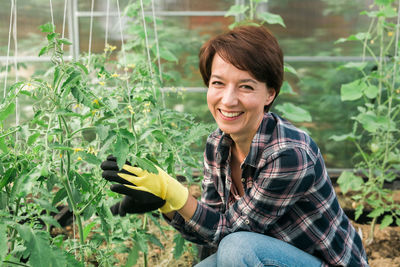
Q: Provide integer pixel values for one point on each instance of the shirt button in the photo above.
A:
(243, 180)
(247, 221)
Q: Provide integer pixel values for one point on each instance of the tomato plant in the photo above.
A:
(376, 126)
(84, 110)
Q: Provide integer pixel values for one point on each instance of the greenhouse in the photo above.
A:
(200, 133)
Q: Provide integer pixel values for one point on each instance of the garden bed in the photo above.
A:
(384, 251)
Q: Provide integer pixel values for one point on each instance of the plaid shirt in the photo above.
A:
(288, 195)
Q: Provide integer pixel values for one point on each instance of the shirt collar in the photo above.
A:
(259, 142)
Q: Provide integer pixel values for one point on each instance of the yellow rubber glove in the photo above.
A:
(161, 185)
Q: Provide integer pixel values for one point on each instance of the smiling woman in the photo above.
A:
(267, 197)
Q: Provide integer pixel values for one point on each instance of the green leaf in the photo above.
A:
(80, 65)
(153, 239)
(72, 79)
(287, 89)
(33, 138)
(167, 55)
(159, 136)
(60, 195)
(271, 18)
(294, 113)
(3, 147)
(371, 91)
(352, 91)
(121, 150)
(6, 111)
(387, 220)
(45, 204)
(348, 181)
(387, 12)
(48, 27)
(50, 220)
(87, 230)
(355, 65)
(372, 123)
(64, 41)
(289, 69)
(102, 130)
(51, 36)
(376, 212)
(43, 51)
(3, 241)
(179, 244)
(146, 164)
(133, 255)
(236, 10)
(344, 137)
(89, 158)
(359, 210)
(81, 182)
(37, 245)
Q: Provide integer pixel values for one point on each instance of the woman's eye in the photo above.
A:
(216, 83)
(247, 87)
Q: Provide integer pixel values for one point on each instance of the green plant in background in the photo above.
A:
(83, 111)
(377, 123)
(248, 14)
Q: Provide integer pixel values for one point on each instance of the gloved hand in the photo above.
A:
(161, 185)
(134, 201)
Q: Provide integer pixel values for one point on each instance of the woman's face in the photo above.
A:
(236, 99)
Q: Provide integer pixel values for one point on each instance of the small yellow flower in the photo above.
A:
(94, 112)
(79, 158)
(60, 155)
(77, 149)
(173, 124)
(102, 83)
(131, 109)
(91, 150)
(77, 106)
(147, 104)
(398, 91)
(390, 34)
(372, 42)
(95, 101)
(114, 75)
(113, 47)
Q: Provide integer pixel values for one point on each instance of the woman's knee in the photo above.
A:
(233, 249)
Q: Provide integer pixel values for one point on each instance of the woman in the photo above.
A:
(267, 198)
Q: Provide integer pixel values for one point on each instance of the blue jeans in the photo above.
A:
(253, 249)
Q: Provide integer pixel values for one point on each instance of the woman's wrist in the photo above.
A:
(189, 208)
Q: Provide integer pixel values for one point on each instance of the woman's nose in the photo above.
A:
(229, 97)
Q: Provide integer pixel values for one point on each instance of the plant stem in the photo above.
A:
(15, 231)
(91, 200)
(251, 10)
(144, 228)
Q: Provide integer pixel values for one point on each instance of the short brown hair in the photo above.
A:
(250, 48)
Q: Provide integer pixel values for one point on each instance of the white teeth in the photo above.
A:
(230, 114)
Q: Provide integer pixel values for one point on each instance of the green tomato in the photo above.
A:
(374, 147)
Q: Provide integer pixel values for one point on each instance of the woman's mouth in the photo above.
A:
(230, 115)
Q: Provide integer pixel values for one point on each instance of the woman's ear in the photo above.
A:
(271, 96)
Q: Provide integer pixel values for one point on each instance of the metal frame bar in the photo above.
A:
(81, 14)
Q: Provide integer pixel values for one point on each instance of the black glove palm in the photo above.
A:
(134, 201)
